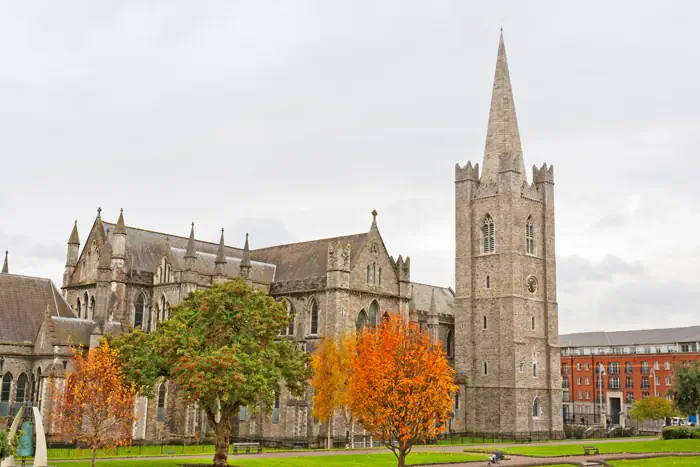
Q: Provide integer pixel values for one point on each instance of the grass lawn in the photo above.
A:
(553, 450)
(659, 462)
(355, 460)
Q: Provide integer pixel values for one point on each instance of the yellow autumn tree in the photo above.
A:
(331, 381)
(96, 408)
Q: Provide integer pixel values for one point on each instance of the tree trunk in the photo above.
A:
(94, 457)
(328, 445)
(402, 458)
(223, 432)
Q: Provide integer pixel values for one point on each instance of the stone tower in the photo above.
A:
(506, 325)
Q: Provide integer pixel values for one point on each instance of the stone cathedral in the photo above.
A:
(498, 327)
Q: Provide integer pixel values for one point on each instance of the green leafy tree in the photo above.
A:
(221, 347)
(7, 448)
(686, 389)
(653, 408)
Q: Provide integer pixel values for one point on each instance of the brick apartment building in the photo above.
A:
(606, 372)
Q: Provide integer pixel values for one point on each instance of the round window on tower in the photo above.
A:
(532, 284)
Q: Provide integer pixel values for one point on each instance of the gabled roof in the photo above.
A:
(23, 302)
(421, 296)
(305, 260)
(630, 338)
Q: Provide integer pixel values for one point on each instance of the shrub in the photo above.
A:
(696, 433)
(679, 432)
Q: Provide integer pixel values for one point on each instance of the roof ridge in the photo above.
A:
(630, 330)
(429, 285)
(27, 277)
(112, 224)
(309, 241)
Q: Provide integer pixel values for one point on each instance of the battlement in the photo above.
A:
(468, 172)
(543, 175)
(403, 268)
(338, 257)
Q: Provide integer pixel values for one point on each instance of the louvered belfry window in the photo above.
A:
(489, 235)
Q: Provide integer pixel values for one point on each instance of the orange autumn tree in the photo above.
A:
(402, 385)
(96, 407)
(331, 380)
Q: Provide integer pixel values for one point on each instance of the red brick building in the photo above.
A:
(606, 372)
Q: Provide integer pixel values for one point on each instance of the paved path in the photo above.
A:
(521, 461)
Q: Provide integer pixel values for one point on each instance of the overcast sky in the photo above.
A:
(293, 120)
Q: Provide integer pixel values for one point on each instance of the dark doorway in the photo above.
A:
(615, 405)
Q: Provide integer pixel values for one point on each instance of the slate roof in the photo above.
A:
(23, 302)
(77, 331)
(421, 295)
(630, 338)
(305, 260)
(145, 250)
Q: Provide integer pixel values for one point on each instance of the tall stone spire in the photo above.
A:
(5, 269)
(503, 151)
(191, 251)
(245, 260)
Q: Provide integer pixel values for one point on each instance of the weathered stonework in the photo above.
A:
(505, 317)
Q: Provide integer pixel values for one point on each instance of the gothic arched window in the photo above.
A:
(91, 314)
(86, 302)
(536, 407)
(289, 329)
(314, 317)
(485, 366)
(449, 347)
(139, 311)
(5, 389)
(457, 404)
(489, 234)
(160, 416)
(373, 312)
(530, 236)
(163, 309)
(369, 273)
(21, 393)
(78, 308)
(361, 321)
(485, 322)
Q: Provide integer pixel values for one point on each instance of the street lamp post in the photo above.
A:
(653, 375)
(601, 373)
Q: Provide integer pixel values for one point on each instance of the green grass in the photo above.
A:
(554, 450)
(148, 450)
(658, 462)
(354, 460)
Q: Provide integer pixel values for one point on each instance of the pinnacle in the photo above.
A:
(191, 251)
(73, 239)
(120, 228)
(5, 269)
(503, 151)
(221, 252)
(245, 260)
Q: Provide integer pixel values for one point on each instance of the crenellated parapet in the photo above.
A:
(543, 175)
(468, 172)
(530, 191)
(403, 268)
